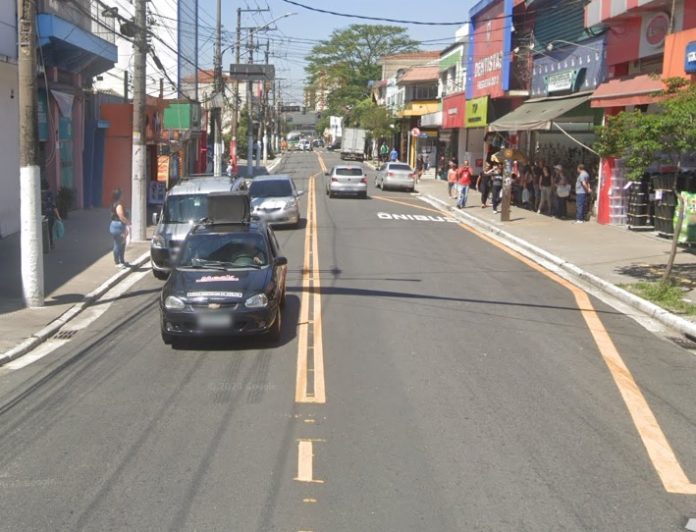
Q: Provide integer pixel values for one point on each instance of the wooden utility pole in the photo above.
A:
(235, 111)
(139, 170)
(264, 119)
(217, 100)
(29, 172)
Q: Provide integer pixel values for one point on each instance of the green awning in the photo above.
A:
(539, 114)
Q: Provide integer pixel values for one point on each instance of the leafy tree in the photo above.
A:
(350, 55)
(642, 139)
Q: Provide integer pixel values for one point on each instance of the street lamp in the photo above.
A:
(250, 132)
(550, 45)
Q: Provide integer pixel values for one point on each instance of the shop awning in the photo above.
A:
(619, 92)
(538, 114)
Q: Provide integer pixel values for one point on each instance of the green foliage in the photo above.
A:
(350, 55)
(664, 294)
(642, 139)
(374, 118)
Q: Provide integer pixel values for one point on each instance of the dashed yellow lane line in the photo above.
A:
(305, 462)
(659, 450)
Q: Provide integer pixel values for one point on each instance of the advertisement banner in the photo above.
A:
(476, 114)
(688, 228)
(453, 111)
(490, 43)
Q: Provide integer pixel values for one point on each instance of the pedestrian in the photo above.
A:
(420, 163)
(464, 182)
(496, 186)
(582, 191)
(545, 185)
(118, 228)
(483, 184)
(536, 173)
(451, 179)
(383, 152)
(562, 194)
(49, 209)
(393, 155)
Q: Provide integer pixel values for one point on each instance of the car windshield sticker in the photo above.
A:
(213, 294)
(217, 278)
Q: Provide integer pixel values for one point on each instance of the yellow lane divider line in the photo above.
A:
(305, 462)
(311, 287)
(659, 450)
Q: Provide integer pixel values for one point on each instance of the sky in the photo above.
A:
(297, 34)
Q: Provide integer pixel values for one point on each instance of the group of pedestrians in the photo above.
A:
(538, 187)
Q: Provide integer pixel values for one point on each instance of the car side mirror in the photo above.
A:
(300, 192)
(281, 261)
(155, 218)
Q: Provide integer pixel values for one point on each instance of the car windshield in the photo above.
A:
(404, 167)
(270, 189)
(349, 171)
(185, 208)
(223, 251)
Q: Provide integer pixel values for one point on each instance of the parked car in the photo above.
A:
(229, 281)
(396, 175)
(184, 205)
(346, 179)
(274, 198)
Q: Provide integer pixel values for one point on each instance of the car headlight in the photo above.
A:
(158, 241)
(173, 303)
(257, 301)
(291, 204)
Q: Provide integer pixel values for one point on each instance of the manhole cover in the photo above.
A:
(65, 335)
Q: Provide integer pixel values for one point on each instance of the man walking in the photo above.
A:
(393, 155)
(464, 182)
(383, 152)
(582, 191)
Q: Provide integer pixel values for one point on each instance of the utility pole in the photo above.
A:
(264, 119)
(217, 109)
(235, 113)
(139, 170)
(250, 117)
(31, 240)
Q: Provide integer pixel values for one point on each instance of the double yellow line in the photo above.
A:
(309, 384)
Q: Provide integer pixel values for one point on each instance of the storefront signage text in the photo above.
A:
(561, 81)
(690, 60)
(477, 112)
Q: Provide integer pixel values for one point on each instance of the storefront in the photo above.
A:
(453, 115)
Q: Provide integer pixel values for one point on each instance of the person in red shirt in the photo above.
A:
(463, 182)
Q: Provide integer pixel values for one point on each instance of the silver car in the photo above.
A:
(396, 175)
(274, 198)
(346, 179)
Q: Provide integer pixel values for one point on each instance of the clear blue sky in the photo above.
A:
(296, 35)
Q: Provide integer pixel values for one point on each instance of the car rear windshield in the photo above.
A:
(405, 167)
(349, 171)
(185, 208)
(270, 189)
(232, 250)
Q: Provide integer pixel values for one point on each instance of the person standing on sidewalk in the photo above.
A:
(562, 193)
(483, 184)
(49, 209)
(464, 182)
(496, 186)
(118, 228)
(582, 190)
(393, 155)
(451, 179)
(545, 186)
(420, 164)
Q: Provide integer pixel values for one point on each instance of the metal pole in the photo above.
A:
(29, 171)
(139, 170)
(217, 114)
(235, 113)
(250, 118)
(265, 112)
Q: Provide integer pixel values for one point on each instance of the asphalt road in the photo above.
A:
(443, 384)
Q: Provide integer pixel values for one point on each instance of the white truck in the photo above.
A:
(353, 143)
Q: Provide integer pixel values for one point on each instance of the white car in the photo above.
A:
(396, 175)
(346, 179)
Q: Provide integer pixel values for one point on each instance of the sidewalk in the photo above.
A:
(603, 255)
(79, 265)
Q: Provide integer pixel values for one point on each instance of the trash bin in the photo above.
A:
(44, 234)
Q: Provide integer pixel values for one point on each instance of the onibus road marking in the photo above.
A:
(665, 462)
(309, 384)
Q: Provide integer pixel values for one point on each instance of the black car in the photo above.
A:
(229, 280)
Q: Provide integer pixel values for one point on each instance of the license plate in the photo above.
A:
(215, 321)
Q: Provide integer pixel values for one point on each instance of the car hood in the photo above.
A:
(216, 285)
(270, 203)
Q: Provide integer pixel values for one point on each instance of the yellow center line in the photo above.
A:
(310, 323)
(305, 459)
(659, 450)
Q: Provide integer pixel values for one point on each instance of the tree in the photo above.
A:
(642, 139)
(350, 55)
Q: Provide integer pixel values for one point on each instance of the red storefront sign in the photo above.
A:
(453, 110)
(488, 40)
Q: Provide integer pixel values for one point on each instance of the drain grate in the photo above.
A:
(65, 335)
(684, 342)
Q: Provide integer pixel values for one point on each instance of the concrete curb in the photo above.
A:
(52, 328)
(535, 253)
